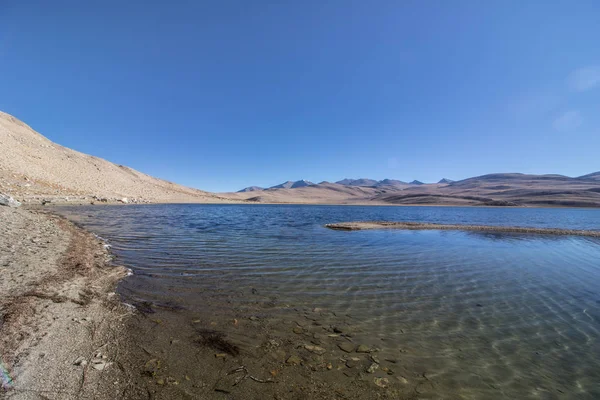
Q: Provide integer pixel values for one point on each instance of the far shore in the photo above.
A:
(36, 204)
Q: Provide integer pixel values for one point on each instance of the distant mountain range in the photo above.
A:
(502, 189)
(362, 182)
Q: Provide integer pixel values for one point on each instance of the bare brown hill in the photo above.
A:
(33, 168)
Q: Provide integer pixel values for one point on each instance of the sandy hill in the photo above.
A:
(33, 167)
(322, 193)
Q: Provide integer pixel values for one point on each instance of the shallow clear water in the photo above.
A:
(483, 315)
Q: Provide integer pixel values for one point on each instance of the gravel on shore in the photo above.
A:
(61, 324)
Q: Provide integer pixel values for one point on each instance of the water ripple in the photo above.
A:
(516, 313)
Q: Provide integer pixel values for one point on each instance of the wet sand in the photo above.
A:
(368, 225)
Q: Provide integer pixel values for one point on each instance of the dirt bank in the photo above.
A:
(61, 324)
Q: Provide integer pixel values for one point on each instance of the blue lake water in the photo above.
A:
(485, 315)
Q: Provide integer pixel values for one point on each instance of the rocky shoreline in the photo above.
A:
(65, 334)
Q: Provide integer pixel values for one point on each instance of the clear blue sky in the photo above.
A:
(225, 94)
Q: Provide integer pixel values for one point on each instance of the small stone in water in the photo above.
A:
(372, 368)
(363, 349)
(381, 382)
(294, 360)
(347, 347)
(315, 349)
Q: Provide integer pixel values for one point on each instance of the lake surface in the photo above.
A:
(480, 315)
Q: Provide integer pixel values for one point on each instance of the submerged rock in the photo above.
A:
(347, 347)
(294, 360)
(315, 349)
(382, 382)
(363, 349)
(372, 368)
(6, 200)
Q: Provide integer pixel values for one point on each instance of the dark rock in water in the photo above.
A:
(352, 363)
(347, 347)
(6, 200)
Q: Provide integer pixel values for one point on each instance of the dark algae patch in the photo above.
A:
(217, 341)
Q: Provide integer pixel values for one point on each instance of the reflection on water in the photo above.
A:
(484, 315)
